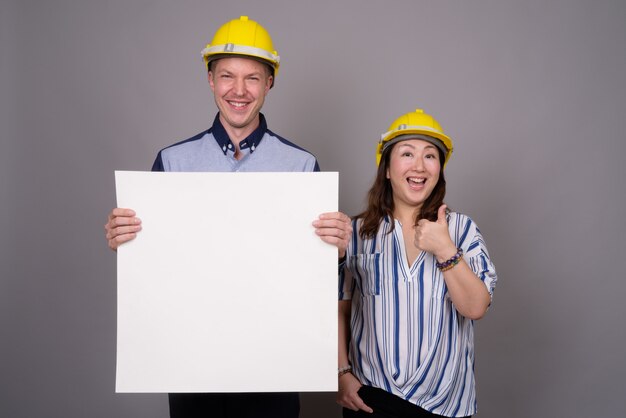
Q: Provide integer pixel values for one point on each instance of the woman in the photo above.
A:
(415, 278)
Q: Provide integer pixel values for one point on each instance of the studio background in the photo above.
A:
(532, 92)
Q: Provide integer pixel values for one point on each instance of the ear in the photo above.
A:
(268, 83)
(211, 81)
(387, 174)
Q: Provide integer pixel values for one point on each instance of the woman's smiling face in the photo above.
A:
(414, 168)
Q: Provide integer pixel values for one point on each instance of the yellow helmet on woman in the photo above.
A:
(245, 38)
(415, 125)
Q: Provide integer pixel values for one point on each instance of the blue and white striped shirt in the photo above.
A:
(406, 336)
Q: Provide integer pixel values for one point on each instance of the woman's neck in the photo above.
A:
(406, 214)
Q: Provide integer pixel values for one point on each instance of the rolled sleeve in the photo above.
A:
(477, 257)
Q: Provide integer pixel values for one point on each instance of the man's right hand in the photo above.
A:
(122, 226)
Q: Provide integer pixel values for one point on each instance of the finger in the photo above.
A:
(417, 239)
(119, 221)
(441, 215)
(334, 235)
(330, 223)
(122, 230)
(332, 231)
(346, 400)
(335, 215)
(419, 230)
(347, 403)
(340, 243)
(422, 222)
(118, 240)
(342, 224)
(121, 212)
(358, 402)
(342, 234)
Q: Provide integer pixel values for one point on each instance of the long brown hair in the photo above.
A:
(380, 199)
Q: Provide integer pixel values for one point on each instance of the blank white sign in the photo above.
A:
(227, 288)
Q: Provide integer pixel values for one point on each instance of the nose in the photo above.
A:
(418, 164)
(239, 87)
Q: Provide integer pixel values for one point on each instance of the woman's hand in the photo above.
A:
(348, 396)
(434, 237)
(467, 292)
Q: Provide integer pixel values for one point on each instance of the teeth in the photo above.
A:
(237, 104)
(416, 180)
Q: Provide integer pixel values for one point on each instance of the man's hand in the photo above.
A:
(334, 228)
(122, 226)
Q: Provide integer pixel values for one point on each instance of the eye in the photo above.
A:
(407, 154)
(431, 156)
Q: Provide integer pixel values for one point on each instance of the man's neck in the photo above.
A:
(236, 135)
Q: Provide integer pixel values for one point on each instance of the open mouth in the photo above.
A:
(416, 181)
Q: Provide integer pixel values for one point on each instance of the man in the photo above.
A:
(242, 66)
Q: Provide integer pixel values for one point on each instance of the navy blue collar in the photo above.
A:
(252, 141)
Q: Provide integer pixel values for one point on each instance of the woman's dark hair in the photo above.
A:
(380, 199)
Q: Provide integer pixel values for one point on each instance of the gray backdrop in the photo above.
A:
(533, 93)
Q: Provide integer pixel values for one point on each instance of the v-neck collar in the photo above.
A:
(398, 237)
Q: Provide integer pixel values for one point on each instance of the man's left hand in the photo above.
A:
(334, 228)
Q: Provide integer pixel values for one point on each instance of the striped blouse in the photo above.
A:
(406, 336)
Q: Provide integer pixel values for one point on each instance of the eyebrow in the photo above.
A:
(229, 71)
(405, 144)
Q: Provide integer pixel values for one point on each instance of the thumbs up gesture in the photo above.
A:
(434, 238)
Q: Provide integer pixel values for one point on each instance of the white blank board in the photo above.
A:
(227, 288)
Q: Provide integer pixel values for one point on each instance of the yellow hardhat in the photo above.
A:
(415, 125)
(242, 37)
